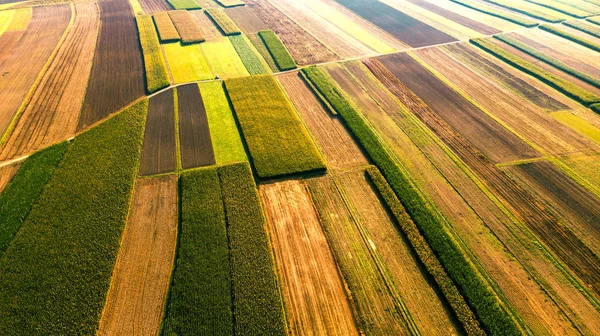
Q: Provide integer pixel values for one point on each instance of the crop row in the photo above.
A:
(497, 13)
(166, 30)
(277, 140)
(56, 272)
(558, 83)
(586, 43)
(548, 59)
(517, 7)
(188, 29)
(478, 293)
(278, 51)
(257, 300)
(584, 27)
(595, 19)
(156, 68)
(227, 26)
(24, 189)
(251, 61)
(562, 8)
(184, 4)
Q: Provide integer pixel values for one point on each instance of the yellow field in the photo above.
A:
(587, 167)
(5, 18)
(186, 62)
(20, 19)
(223, 59)
(578, 124)
(137, 8)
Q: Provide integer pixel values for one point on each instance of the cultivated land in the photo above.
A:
(194, 135)
(159, 151)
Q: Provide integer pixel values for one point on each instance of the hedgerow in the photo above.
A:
(497, 13)
(223, 21)
(277, 140)
(586, 43)
(157, 76)
(24, 189)
(478, 293)
(549, 59)
(584, 27)
(556, 82)
(257, 300)
(56, 272)
(200, 295)
(595, 108)
(247, 55)
(230, 3)
(184, 4)
(166, 30)
(533, 13)
(278, 51)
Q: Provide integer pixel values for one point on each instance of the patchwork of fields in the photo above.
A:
(317, 167)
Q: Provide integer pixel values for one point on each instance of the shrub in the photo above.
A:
(433, 226)
(517, 7)
(184, 4)
(188, 29)
(277, 140)
(223, 21)
(200, 295)
(580, 40)
(584, 27)
(166, 30)
(156, 68)
(556, 82)
(257, 300)
(278, 51)
(247, 55)
(497, 13)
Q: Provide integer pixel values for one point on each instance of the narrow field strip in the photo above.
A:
(531, 9)
(563, 8)
(251, 60)
(57, 270)
(253, 272)
(140, 281)
(278, 51)
(188, 29)
(223, 59)
(584, 27)
(578, 124)
(221, 19)
(200, 296)
(246, 19)
(577, 39)
(159, 152)
(277, 140)
(186, 62)
(260, 46)
(497, 13)
(184, 4)
(194, 134)
(152, 6)
(157, 76)
(230, 3)
(209, 28)
(166, 29)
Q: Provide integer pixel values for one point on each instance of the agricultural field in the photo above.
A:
(315, 167)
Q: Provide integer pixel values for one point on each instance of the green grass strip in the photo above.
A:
(184, 4)
(584, 27)
(583, 96)
(549, 59)
(247, 55)
(471, 283)
(497, 13)
(515, 6)
(562, 8)
(200, 301)
(572, 37)
(258, 305)
(157, 76)
(595, 108)
(24, 189)
(281, 55)
(56, 272)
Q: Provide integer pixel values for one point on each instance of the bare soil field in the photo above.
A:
(313, 291)
(142, 273)
(335, 142)
(153, 6)
(304, 48)
(117, 76)
(53, 112)
(8, 40)
(159, 150)
(6, 174)
(246, 19)
(208, 27)
(34, 49)
(194, 135)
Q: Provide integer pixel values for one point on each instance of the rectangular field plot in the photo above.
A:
(246, 19)
(186, 62)
(194, 135)
(165, 27)
(252, 60)
(157, 76)
(159, 152)
(140, 280)
(153, 6)
(220, 17)
(223, 58)
(188, 29)
(276, 138)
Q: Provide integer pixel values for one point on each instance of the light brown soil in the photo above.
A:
(246, 19)
(314, 294)
(53, 111)
(208, 27)
(153, 6)
(8, 40)
(140, 281)
(340, 150)
(6, 174)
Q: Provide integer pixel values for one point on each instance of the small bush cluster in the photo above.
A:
(166, 30)
(278, 51)
(157, 76)
(580, 40)
(223, 21)
(247, 55)
(497, 13)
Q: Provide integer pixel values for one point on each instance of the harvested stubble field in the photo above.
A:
(159, 151)
(154, 6)
(209, 28)
(188, 29)
(246, 19)
(166, 30)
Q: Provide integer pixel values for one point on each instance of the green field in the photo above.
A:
(157, 76)
(184, 4)
(252, 61)
(280, 54)
(187, 62)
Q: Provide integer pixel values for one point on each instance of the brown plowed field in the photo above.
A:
(8, 40)
(304, 48)
(194, 135)
(6, 174)
(53, 111)
(153, 6)
(34, 49)
(159, 150)
(526, 119)
(340, 150)
(246, 19)
(117, 76)
(525, 206)
(142, 274)
(313, 291)
(208, 27)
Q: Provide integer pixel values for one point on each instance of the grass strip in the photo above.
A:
(523, 8)
(184, 4)
(56, 272)
(230, 3)
(583, 96)
(257, 299)
(277, 140)
(223, 21)
(24, 189)
(497, 13)
(157, 76)
(200, 294)
(166, 30)
(563, 8)
(571, 37)
(584, 27)
(260, 46)
(188, 29)
(595, 108)
(278, 51)
(425, 254)
(247, 55)
(548, 59)
(478, 293)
